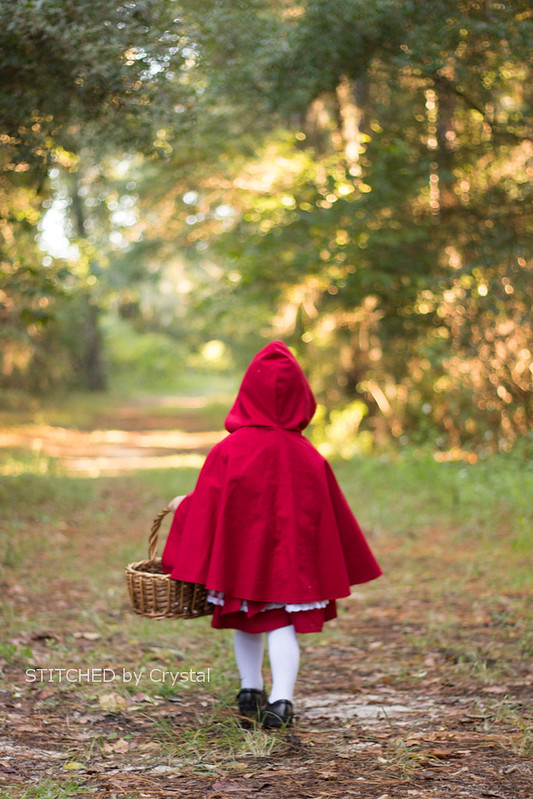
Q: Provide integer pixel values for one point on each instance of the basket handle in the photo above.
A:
(152, 541)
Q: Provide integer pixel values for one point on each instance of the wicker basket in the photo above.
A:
(155, 594)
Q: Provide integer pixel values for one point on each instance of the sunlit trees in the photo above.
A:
(384, 221)
(351, 176)
(80, 83)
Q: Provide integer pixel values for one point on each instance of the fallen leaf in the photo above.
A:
(226, 785)
(44, 694)
(441, 754)
(73, 766)
(143, 698)
(327, 775)
(112, 702)
(120, 747)
(88, 636)
(25, 728)
(413, 739)
(149, 746)
(43, 636)
(443, 736)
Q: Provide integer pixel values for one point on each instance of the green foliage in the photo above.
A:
(51, 789)
(394, 228)
(65, 64)
(337, 433)
(77, 83)
(349, 176)
(150, 361)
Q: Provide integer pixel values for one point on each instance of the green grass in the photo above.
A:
(408, 491)
(518, 719)
(76, 409)
(51, 789)
(218, 736)
(81, 410)
(484, 509)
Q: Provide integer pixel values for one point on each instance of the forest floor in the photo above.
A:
(420, 688)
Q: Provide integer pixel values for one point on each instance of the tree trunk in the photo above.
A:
(94, 376)
(91, 357)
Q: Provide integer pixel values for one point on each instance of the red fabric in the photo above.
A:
(304, 621)
(267, 521)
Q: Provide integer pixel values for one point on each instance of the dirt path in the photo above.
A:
(124, 440)
(385, 710)
(357, 734)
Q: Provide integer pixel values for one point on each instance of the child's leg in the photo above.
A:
(249, 648)
(284, 654)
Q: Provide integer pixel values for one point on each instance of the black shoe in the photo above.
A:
(251, 701)
(277, 714)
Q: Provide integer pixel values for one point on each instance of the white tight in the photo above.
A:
(284, 656)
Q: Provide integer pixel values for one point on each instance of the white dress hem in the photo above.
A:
(217, 598)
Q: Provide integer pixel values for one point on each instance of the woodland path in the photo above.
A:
(378, 715)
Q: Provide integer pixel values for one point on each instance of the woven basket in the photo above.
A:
(155, 594)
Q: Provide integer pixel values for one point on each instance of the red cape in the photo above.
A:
(267, 520)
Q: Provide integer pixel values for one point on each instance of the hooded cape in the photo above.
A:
(267, 520)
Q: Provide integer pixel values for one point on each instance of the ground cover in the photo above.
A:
(421, 687)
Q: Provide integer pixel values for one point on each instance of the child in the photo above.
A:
(268, 531)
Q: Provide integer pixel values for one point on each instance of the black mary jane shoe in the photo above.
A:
(251, 702)
(277, 714)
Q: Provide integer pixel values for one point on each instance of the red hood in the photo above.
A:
(274, 392)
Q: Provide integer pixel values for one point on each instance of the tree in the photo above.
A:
(350, 176)
(385, 216)
(75, 79)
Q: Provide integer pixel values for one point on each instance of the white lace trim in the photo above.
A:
(217, 598)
